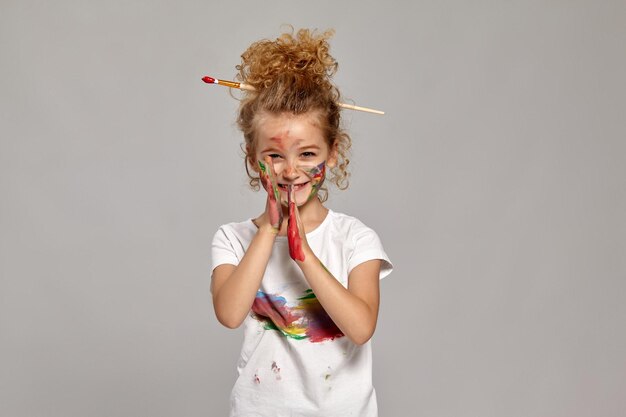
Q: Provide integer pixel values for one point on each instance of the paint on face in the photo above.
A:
(278, 141)
(317, 175)
(268, 178)
(306, 320)
(289, 136)
(293, 234)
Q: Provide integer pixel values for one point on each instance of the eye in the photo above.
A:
(308, 154)
(274, 155)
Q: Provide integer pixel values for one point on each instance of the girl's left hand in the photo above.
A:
(296, 235)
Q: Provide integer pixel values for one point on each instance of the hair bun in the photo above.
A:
(304, 56)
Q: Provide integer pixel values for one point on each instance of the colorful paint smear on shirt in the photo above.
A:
(305, 320)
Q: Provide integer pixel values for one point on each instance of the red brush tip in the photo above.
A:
(208, 80)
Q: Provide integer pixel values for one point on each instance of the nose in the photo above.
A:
(290, 172)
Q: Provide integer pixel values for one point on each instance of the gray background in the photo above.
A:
(496, 181)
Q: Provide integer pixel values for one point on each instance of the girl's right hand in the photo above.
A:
(273, 210)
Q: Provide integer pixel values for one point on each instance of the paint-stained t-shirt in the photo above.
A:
(295, 361)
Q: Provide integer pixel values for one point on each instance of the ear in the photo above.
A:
(333, 156)
(253, 164)
(251, 159)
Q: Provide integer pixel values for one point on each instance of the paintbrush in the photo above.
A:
(242, 86)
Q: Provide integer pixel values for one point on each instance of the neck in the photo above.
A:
(310, 212)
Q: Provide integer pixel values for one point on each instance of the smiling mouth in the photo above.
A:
(296, 187)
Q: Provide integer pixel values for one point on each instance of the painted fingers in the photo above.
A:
(294, 235)
(268, 178)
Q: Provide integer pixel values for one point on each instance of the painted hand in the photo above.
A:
(295, 230)
(273, 207)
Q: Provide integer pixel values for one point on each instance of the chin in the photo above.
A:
(299, 202)
(302, 196)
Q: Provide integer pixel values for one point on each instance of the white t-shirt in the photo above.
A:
(294, 360)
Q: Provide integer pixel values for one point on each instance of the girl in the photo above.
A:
(303, 280)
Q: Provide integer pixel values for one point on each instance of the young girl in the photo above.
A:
(303, 280)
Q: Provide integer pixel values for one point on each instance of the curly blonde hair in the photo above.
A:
(292, 74)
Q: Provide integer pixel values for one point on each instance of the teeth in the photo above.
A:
(295, 187)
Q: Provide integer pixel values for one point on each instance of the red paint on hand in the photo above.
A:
(208, 80)
(293, 235)
(275, 211)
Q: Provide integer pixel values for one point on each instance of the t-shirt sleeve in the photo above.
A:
(367, 246)
(222, 250)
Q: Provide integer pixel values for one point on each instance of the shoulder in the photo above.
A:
(348, 226)
(236, 231)
(241, 226)
(231, 241)
(360, 241)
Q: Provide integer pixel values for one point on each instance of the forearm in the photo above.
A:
(234, 295)
(351, 314)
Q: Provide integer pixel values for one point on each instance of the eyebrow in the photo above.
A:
(272, 148)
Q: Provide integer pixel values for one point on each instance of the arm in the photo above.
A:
(355, 309)
(234, 287)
